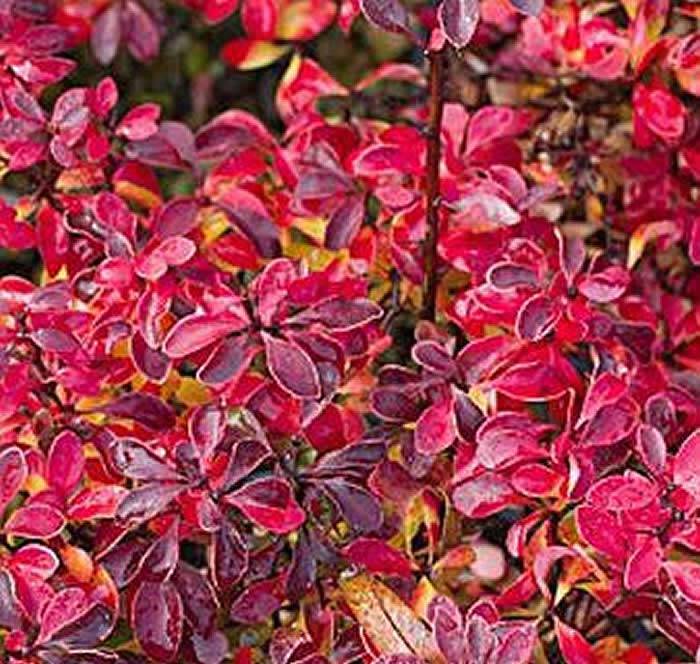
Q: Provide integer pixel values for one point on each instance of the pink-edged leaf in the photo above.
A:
(228, 557)
(536, 480)
(611, 424)
(228, 361)
(484, 495)
(36, 520)
(643, 564)
(573, 647)
(605, 286)
(478, 359)
(106, 34)
(605, 390)
(158, 564)
(258, 602)
(436, 428)
(537, 317)
(389, 15)
(344, 223)
(138, 462)
(545, 561)
(534, 381)
(198, 331)
(207, 426)
(505, 275)
(96, 503)
(378, 557)
(458, 20)
(292, 368)
(684, 575)
(434, 357)
(56, 341)
(36, 560)
(157, 618)
(63, 608)
(147, 409)
(651, 447)
(13, 473)
(619, 493)
(154, 364)
(344, 314)
(250, 215)
(602, 531)
(147, 501)
(483, 211)
(269, 503)
(139, 123)
(65, 464)
(686, 465)
(517, 645)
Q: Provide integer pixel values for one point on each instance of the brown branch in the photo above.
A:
(436, 60)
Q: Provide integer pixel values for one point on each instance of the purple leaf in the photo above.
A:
(389, 15)
(292, 368)
(458, 20)
(157, 618)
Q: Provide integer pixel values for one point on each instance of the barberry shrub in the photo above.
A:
(401, 369)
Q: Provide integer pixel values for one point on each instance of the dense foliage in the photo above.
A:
(401, 367)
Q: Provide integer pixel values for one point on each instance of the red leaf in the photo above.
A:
(258, 602)
(535, 381)
(611, 424)
(139, 123)
(643, 564)
(65, 463)
(216, 11)
(602, 531)
(13, 473)
(574, 648)
(484, 495)
(378, 557)
(686, 465)
(96, 503)
(157, 617)
(269, 503)
(63, 608)
(36, 520)
(198, 331)
(605, 390)
(436, 428)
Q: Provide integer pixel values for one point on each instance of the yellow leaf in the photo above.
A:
(314, 227)
(192, 392)
(643, 235)
(135, 194)
(424, 593)
(390, 624)
(460, 557)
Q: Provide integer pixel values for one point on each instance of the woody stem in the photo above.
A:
(436, 83)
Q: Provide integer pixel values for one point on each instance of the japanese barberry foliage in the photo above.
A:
(409, 374)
